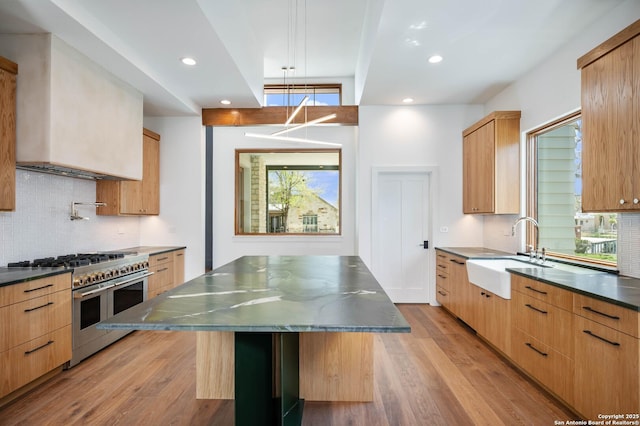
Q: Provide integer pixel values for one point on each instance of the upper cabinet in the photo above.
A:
(135, 197)
(491, 164)
(611, 123)
(8, 71)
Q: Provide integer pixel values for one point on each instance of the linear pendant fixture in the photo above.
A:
(305, 124)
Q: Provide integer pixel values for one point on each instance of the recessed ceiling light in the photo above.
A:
(225, 102)
(435, 59)
(407, 100)
(188, 61)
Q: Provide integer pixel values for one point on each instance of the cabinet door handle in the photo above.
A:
(536, 349)
(456, 262)
(534, 289)
(442, 256)
(590, 309)
(442, 265)
(163, 269)
(39, 307)
(38, 348)
(444, 277)
(162, 258)
(592, 334)
(38, 288)
(442, 293)
(536, 309)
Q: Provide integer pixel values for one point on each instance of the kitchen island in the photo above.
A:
(276, 329)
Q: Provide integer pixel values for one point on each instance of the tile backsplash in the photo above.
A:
(629, 244)
(41, 226)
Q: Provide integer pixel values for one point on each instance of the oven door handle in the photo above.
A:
(78, 295)
(134, 279)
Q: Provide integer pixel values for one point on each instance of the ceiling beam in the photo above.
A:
(346, 115)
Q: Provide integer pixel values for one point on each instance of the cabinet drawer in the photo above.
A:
(159, 259)
(551, 368)
(606, 370)
(442, 262)
(541, 291)
(442, 296)
(443, 280)
(22, 322)
(547, 323)
(616, 317)
(35, 288)
(27, 362)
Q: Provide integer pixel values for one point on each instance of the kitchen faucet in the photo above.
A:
(532, 249)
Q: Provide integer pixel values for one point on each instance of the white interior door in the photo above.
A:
(401, 225)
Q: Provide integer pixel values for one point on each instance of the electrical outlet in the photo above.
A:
(444, 229)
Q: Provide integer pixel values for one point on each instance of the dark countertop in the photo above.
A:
(272, 294)
(475, 252)
(609, 287)
(10, 276)
(153, 250)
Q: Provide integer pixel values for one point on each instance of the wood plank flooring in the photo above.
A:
(440, 374)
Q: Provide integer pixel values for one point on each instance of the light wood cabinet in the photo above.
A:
(168, 272)
(132, 197)
(491, 318)
(35, 330)
(443, 280)
(178, 267)
(542, 334)
(459, 288)
(8, 71)
(606, 370)
(491, 164)
(610, 94)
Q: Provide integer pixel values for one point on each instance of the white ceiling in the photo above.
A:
(381, 46)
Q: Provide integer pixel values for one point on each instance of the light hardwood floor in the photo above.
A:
(440, 374)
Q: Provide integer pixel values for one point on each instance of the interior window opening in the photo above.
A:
(555, 200)
(288, 192)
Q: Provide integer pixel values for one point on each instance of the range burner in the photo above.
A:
(69, 260)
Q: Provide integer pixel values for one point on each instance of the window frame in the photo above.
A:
(239, 183)
(531, 200)
(311, 89)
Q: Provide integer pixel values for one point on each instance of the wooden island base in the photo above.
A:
(334, 366)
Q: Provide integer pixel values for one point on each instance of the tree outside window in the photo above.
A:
(288, 192)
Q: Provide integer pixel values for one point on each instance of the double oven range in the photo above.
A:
(104, 284)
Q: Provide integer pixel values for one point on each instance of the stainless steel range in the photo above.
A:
(104, 284)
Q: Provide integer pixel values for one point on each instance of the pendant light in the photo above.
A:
(281, 134)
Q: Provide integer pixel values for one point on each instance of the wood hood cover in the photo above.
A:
(73, 117)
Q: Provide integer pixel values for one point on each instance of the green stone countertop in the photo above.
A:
(606, 286)
(272, 294)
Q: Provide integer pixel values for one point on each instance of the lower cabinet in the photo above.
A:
(583, 350)
(33, 359)
(548, 366)
(491, 318)
(35, 330)
(607, 375)
(168, 272)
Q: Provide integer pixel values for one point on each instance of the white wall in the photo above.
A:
(182, 180)
(227, 246)
(418, 136)
(549, 91)
(40, 225)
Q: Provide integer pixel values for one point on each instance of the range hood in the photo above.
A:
(74, 118)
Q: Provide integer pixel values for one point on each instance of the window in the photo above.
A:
(288, 192)
(554, 197)
(291, 95)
